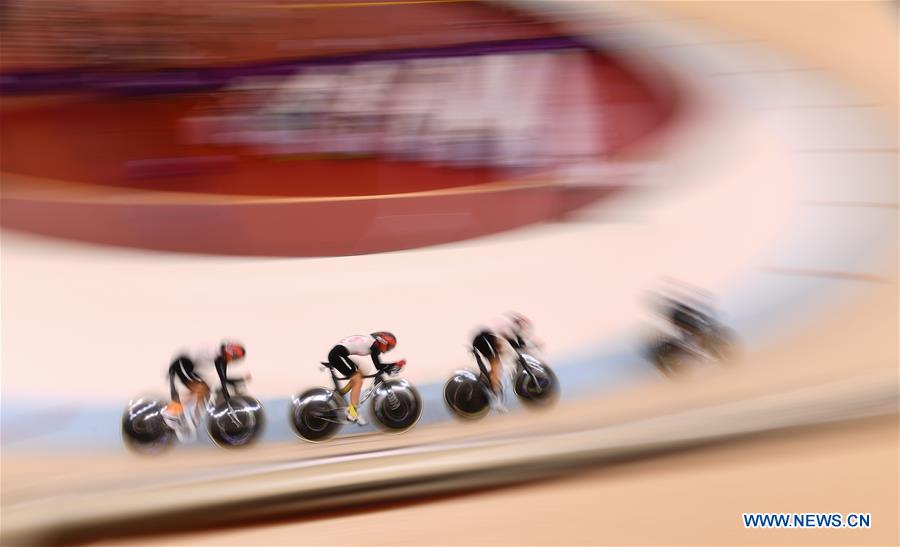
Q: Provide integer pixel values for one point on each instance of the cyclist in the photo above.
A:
(184, 369)
(515, 330)
(693, 321)
(373, 345)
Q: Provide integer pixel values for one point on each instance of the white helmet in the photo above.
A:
(519, 321)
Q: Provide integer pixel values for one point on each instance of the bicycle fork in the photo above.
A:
(534, 378)
(393, 401)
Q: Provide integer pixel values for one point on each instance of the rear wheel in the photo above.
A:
(143, 429)
(465, 397)
(313, 415)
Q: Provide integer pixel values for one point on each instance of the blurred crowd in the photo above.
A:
(487, 110)
(479, 110)
(54, 34)
(51, 34)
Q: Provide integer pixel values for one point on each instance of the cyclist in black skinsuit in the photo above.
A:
(698, 330)
(512, 328)
(184, 369)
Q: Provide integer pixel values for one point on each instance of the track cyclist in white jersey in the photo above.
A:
(372, 345)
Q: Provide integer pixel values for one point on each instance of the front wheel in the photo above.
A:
(465, 396)
(314, 414)
(723, 344)
(536, 384)
(143, 429)
(397, 405)
(239, 425)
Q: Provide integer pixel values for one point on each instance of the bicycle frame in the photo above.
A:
(485, 376)
(523, 359)
(210, 403)
(234, 383)
(337, 415)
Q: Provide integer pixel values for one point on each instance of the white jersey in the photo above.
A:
(200, 356)
(503, 326)
(360, 344)
(204, 360)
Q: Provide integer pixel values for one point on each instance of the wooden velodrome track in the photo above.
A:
(849, 353)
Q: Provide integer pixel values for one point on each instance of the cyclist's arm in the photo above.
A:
(521, 341)
(376, 360)
(221, 367)
(173, 390)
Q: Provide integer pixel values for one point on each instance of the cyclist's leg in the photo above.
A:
(174, 414)
(174, 406)
(178, 369)
(486, 343)
(356, 382)
(496, 367)
(200, 392)
(339, 359)
(196, 386)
